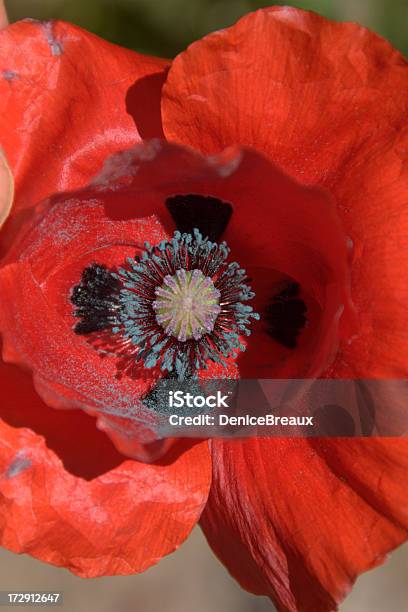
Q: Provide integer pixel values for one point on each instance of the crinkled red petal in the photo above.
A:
(327, 102)
(120, 522)
(298, 520)
(68, 100)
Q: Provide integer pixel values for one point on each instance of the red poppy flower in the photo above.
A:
(302, 122)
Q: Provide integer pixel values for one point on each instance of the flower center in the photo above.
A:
(187, 305)
(178, 304)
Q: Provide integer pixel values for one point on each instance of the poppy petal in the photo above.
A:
(243, 85)
(377, 219)
(21, 406)
(121, 522)
(70, 106)
(327, 102)
(298, 519)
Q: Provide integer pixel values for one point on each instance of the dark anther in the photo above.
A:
(286, 316)
(96, 299)
(209, 215)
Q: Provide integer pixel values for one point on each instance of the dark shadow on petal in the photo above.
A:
(177, 446)
(333, 420)
(366, 407)
(143, 101)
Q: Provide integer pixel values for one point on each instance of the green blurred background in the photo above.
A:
(166, 27)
